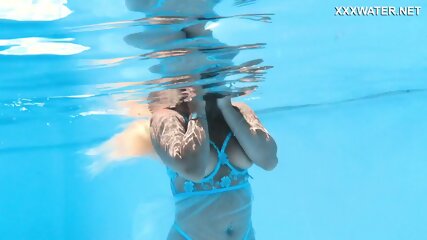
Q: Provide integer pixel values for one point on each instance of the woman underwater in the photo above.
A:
(206, 142)
(208, 145)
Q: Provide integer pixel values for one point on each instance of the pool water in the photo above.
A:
(346, 103)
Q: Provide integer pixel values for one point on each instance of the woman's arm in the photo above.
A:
(257, 143)
(183, 148)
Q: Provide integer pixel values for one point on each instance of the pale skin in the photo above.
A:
(185, 150)
(184, 147)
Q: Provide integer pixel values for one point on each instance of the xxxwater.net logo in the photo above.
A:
(377, 10)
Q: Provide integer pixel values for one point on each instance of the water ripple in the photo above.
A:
(39, 46)
(181, 38)
(168, 20)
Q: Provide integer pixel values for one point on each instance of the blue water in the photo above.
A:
(346, 103)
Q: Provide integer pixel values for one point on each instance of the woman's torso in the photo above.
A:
(221, 216)
(219, 206)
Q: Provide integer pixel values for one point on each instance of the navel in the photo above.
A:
(229, 231)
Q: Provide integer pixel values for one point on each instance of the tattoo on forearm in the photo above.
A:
(171, 134)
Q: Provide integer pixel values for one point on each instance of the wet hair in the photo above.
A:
(214, 114)
(209, 98)
(212, 96)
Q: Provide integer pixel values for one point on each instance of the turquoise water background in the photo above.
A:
(346, 102)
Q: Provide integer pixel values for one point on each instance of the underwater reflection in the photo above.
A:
(207, 141)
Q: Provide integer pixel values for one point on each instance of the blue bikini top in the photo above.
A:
(224, 177)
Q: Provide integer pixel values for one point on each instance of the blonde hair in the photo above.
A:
(132, 142)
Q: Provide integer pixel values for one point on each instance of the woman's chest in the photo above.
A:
(232, 154)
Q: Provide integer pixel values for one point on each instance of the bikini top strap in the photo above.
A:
(227, 139)
(224, 145)
(214, 145)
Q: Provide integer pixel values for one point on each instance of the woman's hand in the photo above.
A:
(224, 101)
(194, 98)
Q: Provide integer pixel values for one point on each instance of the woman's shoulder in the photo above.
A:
(166, 113)
(166, 118)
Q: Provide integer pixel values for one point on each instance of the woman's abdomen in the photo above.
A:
(225, 215)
